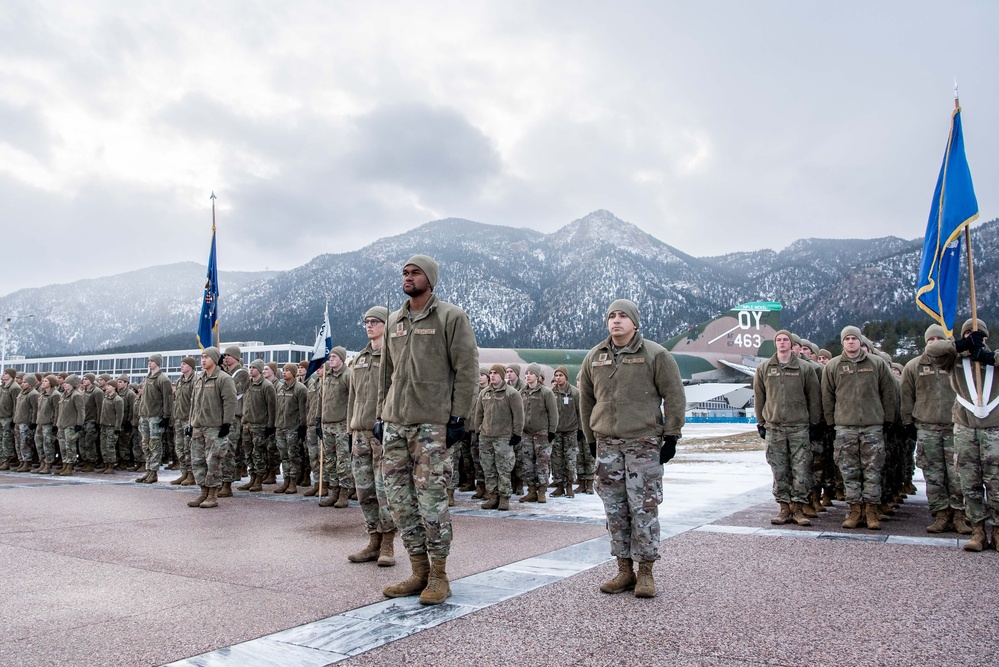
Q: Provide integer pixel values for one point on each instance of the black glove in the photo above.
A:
(32, 426)
(815, 432)
(379, 431)
(668, 450)
(580, 438)
(910, 431)
(984, 356)
(77, 428)
(269, 431)
(514, 440)
(455, 431)
(319, 430)
(593, 448)
(551, 436)
(187, 431)
(971, 342)
(888, 426)
(223, 430)
(301, 432)
(762, 430)
(350, 442)
(164, 422)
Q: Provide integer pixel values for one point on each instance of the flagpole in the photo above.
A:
(218, 330)
(971, 278)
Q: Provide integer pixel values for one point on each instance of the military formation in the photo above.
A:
(854, 427)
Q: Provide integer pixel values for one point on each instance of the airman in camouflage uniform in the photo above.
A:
(632, 406)
(111, 414)
(976, 425)
(183, 395)
(336, 436)
(155, 408)
(431, 362)
(46, 434)
(259, 410)
(234, 463)
(25, 418)
(788, 406)
(72, 411)
(858, 397)
(90, 438)
(213, 408)
(927, 404)
(314, 432)
(366, 455)
(565, 448)
(275, 377)
(514, 380)
(586, 462)
(476, 479)
(499, 416)
(127, 458)
(540, 426)
(289, 422)
(8, 396)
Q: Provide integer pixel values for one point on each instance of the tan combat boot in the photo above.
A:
(871, 512)
(225, 491)
(108, 469)
(480, 491)
(271, 477)
(559, 490)
(416, 582)
(853, 520)
(450, 497)
(256, 484)
(581, 487)
(292, 487)
(817, 502)
(246, 487)
(492, 501)
(43, 469)
(438, 587)
(210, 502)
(531, 496)
(541, 494)
(142, 480)
(568, 490)
(87, 467)
(645, 585)
(995, 538)
(961, 523)
(798, 516)
(503, 504)
(67, 470)
(5, 465)
(313, 490)
(808, 510)
(179, 480)
(625, 579)
(344, 498)
(827, 499)
(329, 500)
(188, 479)
(370, 552)
(977, 541)
(589, 487)
(784, 516)
(285, 482)
(386, 555)
(152, 478)
(941, 522)
(200, 499)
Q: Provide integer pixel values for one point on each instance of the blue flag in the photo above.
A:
(954, 207)
(321, 350)
(208, 325)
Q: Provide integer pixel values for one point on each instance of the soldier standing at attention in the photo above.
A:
(336, 435)
(155, 408)
(234, 465)
(858, 397)
(540, 425)
(366, 455)
(25, 420)
(92, 399)
(111, 413)
(259, 408)
(499, 416)
(927, 407)
(564, 448)
(314, 432)
(46, 433)
(183, 394)
(213, 407)
(432, 362)
(72, 410)
(8, 396)
(788, 405)
(632, 404)
(289, 422)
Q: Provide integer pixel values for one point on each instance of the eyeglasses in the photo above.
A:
(371, 321)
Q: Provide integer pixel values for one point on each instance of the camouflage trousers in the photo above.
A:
(366, 463)
(470, 458)
(182, 446)
(456, 456)
(416, 468)
(312, 448)
(109, 438)
(46, 442)
(586, 464)
(68, 439)
(88, 442)
(937, 457)
(273, 453)
(336, 456)
(135, 442)
(537, 453)
(978, 463)
(255, 448)
(789, 453)
(564, 455)
(824, 472)
(125, 443)
(152, 441)
(230, 460)
(27, 437)
(16, 429)
(208, 451)
(630, 484)
(288, 448)
(860, 455)
(7, 451)
(473, 448)
(497, 458)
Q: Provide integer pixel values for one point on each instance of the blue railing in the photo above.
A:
(721, 420)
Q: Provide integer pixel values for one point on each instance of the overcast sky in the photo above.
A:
(715, 126)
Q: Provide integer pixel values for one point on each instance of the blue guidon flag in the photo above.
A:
(954, 207)
(208, 325)
(321, 350)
